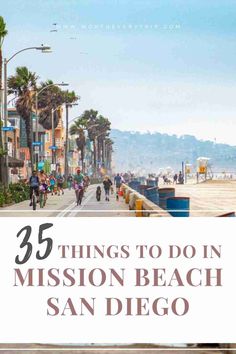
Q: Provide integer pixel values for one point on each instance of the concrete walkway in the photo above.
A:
(57, 349)
(110, 351)
(65, 206)
(211, 198)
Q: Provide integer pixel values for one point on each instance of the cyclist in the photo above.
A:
(42, 176)
(43, 189)
(117, 182)
(79, 185)
(79, 177)
(34, 186)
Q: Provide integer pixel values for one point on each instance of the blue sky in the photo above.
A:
(158, 65)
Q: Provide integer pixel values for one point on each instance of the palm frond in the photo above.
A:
(3, 30)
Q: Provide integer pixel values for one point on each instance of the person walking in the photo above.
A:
(107, 183)
(181, 178)
(175, 178)
(117, 182)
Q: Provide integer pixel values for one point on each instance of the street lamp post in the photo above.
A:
(44, 49)
(37, 118)
(66, 168)
(66, 146)
(53, 147)
(53, 137)
(96, 153)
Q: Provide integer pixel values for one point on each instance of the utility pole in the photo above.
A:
(53, 138)
(66, 142)
(32, 139)
(43, 49)
(183, 171)
(36, 150)
(95, 156)
(1, 139)
(104, 153)
(6, 179)
(68, 105)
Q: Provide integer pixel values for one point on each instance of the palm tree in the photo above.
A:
(24, 83)
(98, 128)
(108, 152)
(51, 98)
(90, 120)
(70, 97)
(103, 129)
(78, 128)
(3, 33)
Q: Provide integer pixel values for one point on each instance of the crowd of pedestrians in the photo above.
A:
(108, 186)
(54, 183)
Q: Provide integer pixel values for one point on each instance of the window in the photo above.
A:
(22, 156)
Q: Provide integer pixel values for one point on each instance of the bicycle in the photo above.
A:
(79, 192)
(34, 199)
(42, 196)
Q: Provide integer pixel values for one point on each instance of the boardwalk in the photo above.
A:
(110, 351)
(65, 206)
(211, 198)
(60, 349)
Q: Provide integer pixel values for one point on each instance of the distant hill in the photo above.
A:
(134, 151)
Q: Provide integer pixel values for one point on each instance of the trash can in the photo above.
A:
(178, 206)
(165, 193)
(142, 180)
(152, 194)
(151, 182)
(142, 188)
(134, 185)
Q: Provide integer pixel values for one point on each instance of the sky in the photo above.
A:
(147, 65)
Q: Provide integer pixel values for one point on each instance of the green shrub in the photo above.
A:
(16, 192)
(2, 199)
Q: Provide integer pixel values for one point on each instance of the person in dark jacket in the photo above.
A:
(98, 193)
(107, 183)
(175, 178)
(34, 186)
